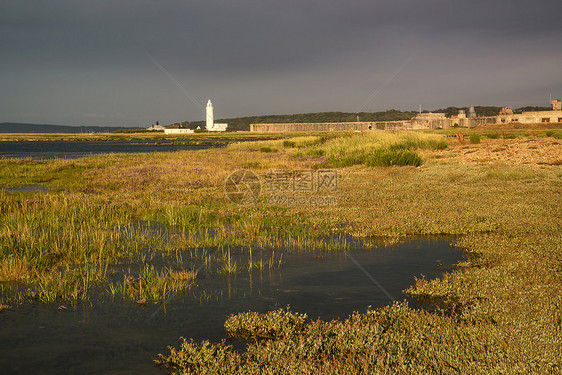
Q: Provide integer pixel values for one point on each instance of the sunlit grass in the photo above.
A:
(502, 304)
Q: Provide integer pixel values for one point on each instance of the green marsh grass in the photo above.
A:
(501, 307)
(229, 266)
(502, 304)
(152, 285)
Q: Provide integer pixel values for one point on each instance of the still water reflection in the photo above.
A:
(104, 337)
(73, 150)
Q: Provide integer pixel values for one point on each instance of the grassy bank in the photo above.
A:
(502, 305)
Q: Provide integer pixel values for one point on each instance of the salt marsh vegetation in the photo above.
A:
(500, 310)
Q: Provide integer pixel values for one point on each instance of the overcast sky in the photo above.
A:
(135, 62)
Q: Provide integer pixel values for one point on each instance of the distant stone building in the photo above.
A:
(424, 121)
(156, 126)
(506, 111)
(507, 116)
(178, 131)
(178, 128)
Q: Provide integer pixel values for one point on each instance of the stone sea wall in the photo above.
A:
(329, 126)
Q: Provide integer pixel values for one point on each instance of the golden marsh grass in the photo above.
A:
(502, 306)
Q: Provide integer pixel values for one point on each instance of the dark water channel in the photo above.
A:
(76, 149)
(104, 337)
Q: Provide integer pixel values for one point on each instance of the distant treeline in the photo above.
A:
(15, 127)
(488, 111)
(243, 123)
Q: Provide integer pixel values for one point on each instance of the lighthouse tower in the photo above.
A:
(210, 120)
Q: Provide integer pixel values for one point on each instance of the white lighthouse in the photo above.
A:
(210, 123)
(210, 120)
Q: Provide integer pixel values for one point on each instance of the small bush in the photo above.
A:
(551, 133)
(204, 358)
(510, 136)
(265, 149)
(474, 138)
(289, 144)
(493, 135)
(252, 326)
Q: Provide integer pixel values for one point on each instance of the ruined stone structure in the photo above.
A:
(424, 121)
(421, 121)
(507, 116)
(506, 111)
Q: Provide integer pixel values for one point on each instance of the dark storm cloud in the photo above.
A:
(254, 33)
(326, 55)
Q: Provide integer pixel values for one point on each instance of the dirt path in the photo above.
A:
(538, 151)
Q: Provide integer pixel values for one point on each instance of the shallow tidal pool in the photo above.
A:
(121, 337)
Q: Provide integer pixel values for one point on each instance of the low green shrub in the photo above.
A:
(252, 326)
(493, 135)
(265, 149)
(379, 158)
(474, 138)
(289, 144)
(394, 339)
(204, 358)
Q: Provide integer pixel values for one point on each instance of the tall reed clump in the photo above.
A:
(252, 326)
(152, 285)
(59, 245)
(373, 148)
(229, 266)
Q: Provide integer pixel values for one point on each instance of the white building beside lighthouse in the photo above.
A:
(210, 123)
